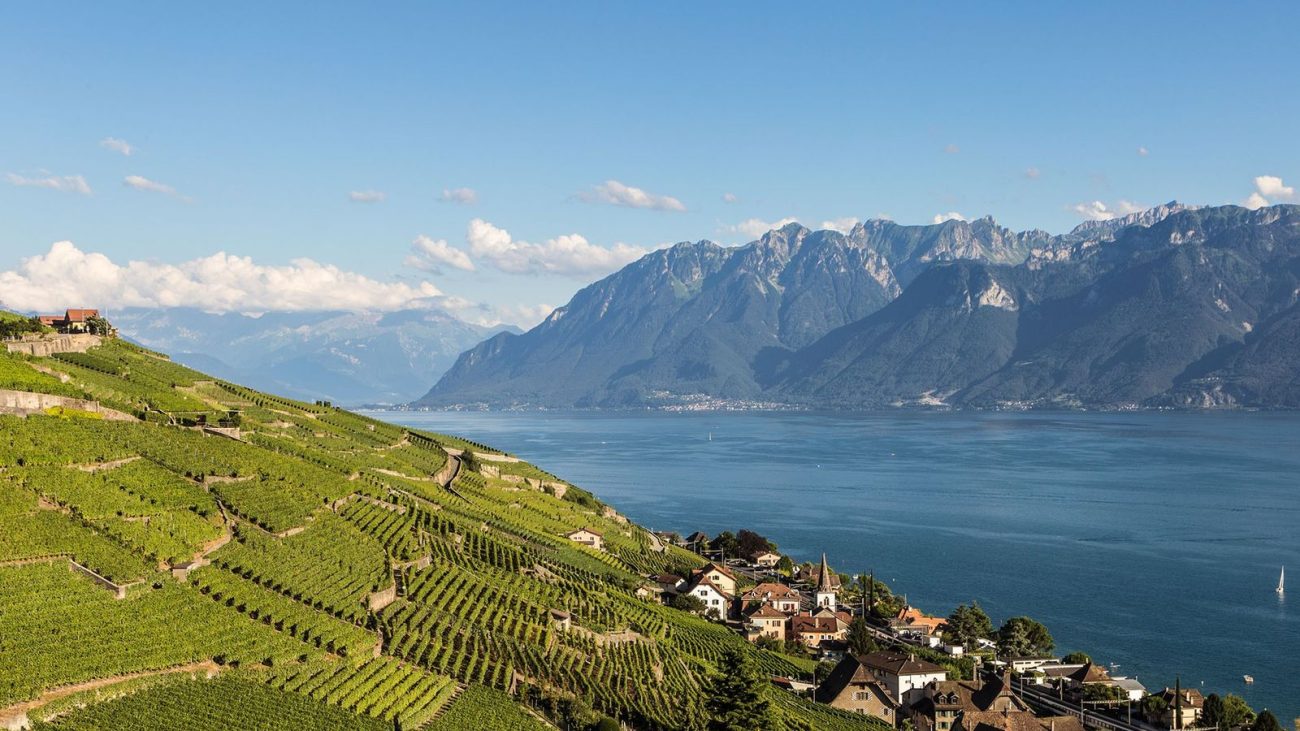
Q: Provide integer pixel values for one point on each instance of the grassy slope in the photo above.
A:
(353, 498)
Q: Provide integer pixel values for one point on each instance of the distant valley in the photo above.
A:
(348, 358)
(1171, 307)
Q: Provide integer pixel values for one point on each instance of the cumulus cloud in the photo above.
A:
(367, 196)
(433, 255)
(843, 225)
(1269, 189)
(1142, 151)
(217, 283)
(62, 183)
(949, 216)
(729, 198)
(1099, 211)
(1033, 173)
(951, 149)
(140, 182)
(463, 196)
(617, 194)
(755, 227)
(117, 145)
(570, 255)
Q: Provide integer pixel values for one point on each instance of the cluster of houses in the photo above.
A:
(71, 321)
(896, 685)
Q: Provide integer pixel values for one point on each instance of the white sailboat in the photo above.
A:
(1281, 582)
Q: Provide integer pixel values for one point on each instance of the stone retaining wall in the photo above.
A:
(49, 345)
(24, 403)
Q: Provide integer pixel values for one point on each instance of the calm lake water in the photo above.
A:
(1151, 541)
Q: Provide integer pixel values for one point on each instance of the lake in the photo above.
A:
(1152, 541)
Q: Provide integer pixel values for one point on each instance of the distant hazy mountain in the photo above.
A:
(349, 358)
(1173, 306)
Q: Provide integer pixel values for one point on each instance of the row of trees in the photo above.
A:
(1017, 637)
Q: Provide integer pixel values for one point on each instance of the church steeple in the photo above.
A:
(824, 576)
(825, 596)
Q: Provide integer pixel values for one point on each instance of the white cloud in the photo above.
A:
(367, 196)
(63, 183)
(117, 145)
(570, 255)
(140, 182)
(618, 194)
(843, 225)
(1255, 201)
(432, 255)
(755, 227)
(952, 149)
(1143, 151)
(463, 196)
(949, 216)
(1033, 173)
(221, 282)
(1099, 211)
(1271, 187)
(730, 198)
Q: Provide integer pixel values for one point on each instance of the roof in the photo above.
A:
(560, 614)
(897, 663)
(1090, 673)
(850, 672)
(596, 533)
(711, 566)
(912, 616)
(672, 579)
(1191, 697)
(765, 611)
(770, 590)
(805, 624)
(702, 580)
(81, 315)
(971, 695)
(697, 537)
(1003, 721)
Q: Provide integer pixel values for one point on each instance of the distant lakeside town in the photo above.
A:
(882, 657)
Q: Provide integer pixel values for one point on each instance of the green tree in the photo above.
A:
(1266, 721)
(1153, 706)
(1099, 692)
(727, 543)
(607, 724)
(860, 640)
(1024, 637)
(737, 696)
(967, 624)
(1076, 658)
(1212, 711)
(1236, 712)
(687, 603)
(749, 543)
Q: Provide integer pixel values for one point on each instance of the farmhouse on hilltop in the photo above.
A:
(73, 321)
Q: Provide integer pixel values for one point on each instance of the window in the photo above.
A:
(861, 695)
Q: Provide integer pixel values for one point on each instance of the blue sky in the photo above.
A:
(250, 126)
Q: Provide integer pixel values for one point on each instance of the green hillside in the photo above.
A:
(187, 553)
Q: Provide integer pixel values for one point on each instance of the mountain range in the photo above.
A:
(1171, 307)
(344, 357)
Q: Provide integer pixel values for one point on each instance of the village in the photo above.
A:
(880, 656)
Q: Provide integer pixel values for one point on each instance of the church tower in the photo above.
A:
(825, 596)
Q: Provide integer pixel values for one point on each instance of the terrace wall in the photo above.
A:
(25, 403)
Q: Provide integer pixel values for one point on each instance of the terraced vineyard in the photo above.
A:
(301, 566)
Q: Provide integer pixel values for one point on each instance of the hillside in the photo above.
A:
(343, 357)
(179, 551)
(1171, 307)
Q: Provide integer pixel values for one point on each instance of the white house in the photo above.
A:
(719, 575)
(587, 537)
(903, 674)
(715, 598)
